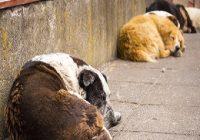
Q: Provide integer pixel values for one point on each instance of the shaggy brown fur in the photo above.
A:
(148, 37)
(39, 108)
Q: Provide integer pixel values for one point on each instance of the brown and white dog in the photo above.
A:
(177, 10)
(57, 96)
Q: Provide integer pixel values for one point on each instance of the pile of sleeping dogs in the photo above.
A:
(155, 34)
(57, 97)
(158, 33)
(150, 36)
(178, 10)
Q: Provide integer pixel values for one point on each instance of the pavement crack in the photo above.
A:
(141, 104)
(153, 83)
(157, 132)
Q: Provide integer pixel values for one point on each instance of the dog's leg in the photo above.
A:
(104, 135)
(164, 53)
(142, 56)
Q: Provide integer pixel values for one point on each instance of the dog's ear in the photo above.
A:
(174, 20)
(86, 78)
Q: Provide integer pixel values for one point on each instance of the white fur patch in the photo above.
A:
(160, 13)
(194, 14)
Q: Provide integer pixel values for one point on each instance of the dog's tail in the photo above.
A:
(12, 113)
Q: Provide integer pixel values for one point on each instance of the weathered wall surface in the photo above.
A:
(84, 28)
(149, 2)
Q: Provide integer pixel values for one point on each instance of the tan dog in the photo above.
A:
(148, 37)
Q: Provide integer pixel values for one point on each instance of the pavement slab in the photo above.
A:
(158, 101)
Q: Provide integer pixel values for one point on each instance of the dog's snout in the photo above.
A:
(177, 52)
(104, 97)
(111, 117)
(177, 47)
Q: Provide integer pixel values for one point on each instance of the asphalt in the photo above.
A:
(158, 101)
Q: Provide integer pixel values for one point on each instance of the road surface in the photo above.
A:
(158, 101)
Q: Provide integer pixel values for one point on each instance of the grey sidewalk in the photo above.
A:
(158, 101)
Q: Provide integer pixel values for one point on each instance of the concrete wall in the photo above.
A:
(84, 28)
(149, 2)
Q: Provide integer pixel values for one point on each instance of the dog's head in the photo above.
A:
(97, 91)
(174, 42)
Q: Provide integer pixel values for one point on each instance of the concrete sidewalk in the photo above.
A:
(158, 101)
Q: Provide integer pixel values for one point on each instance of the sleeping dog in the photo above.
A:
(57, 96)
(177, 10)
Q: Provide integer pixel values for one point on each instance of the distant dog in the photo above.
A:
(148, 37)
(188, 26)
(194, 14)
(56, 97)
(177, 10)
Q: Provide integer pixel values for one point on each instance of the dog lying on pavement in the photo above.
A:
(57, 96)
(148, 37)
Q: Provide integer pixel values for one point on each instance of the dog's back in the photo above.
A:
(139, 40)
